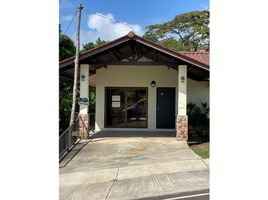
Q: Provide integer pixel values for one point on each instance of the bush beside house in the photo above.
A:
(198, 121)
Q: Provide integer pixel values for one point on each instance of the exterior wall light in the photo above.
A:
(83, 77)
(153, 83)
(182, 79)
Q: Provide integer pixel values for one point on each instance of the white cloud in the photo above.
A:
(67, 18)
(107, 28)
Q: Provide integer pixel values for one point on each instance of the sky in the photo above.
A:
(110, 19)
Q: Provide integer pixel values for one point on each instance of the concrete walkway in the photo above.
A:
(131, 168)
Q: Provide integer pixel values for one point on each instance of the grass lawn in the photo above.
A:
(201, 149)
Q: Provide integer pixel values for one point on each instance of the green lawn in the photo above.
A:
(201, 149)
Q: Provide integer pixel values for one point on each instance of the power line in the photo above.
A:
(70, 22)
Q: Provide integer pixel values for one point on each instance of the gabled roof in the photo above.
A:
(134, 47)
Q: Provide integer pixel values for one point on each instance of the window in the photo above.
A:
(126, 107)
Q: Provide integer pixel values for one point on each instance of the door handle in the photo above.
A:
(157, 108)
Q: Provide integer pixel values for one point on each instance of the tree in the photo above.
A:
(65, 103)
(66, 50)
(66, 47)
(100, 42)
(174, 44)
(92, 45)
(88, 46)
(186, 32)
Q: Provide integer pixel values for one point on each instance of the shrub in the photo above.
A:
(198, 117)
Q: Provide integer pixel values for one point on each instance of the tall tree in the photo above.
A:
(188, 31)
(88, 46)
(92, 45)
(66, 47)
(66, 50)
(100, 42)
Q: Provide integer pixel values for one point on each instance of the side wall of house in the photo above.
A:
(197, 92)
(141, 76)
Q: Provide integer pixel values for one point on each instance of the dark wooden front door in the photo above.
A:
(165, 117)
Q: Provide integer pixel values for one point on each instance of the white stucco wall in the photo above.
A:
(84, 70)
(182, 90)
(197, 92)
(141, 76)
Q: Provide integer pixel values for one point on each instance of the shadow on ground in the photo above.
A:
(64, 160)
(125, 134)
(197, 140)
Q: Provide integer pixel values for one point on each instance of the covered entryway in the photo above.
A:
(165, 107)
(128, 71)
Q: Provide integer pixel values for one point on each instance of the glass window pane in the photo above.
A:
(136, 107)
(115, 107)
(132, 113)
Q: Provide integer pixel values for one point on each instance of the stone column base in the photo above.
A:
(182, 128)
(83, 126)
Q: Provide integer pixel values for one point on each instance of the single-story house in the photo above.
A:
(141, 85)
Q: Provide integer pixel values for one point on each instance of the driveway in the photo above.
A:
(131, 166)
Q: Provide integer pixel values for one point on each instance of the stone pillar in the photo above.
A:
(83, 101)
(182, 118)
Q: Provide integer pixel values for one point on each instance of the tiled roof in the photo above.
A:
(200, 56)
(200, 59)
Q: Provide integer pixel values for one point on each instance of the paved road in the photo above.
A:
(195, 195)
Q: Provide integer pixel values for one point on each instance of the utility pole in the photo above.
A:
(76, 62)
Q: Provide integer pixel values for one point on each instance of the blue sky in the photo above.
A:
(110, 19)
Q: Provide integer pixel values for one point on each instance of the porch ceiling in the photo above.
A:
(127, 50)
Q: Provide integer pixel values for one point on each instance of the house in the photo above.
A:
(141, 85)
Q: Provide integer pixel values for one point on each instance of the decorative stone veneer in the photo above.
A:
(83, 126)
(182, 128)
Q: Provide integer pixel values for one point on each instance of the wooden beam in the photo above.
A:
(146, 52)
(132, 50)
(114, 55)
(137, 52)
(155, 58)
(122, 54)
(171, 53)
(138, 48)
(66, 68)
(189, 68)
(94, 59)
(136, 63)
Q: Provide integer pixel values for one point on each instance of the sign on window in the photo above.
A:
(116, 104)
(115, 97)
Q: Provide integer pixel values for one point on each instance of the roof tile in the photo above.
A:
(200, 56)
